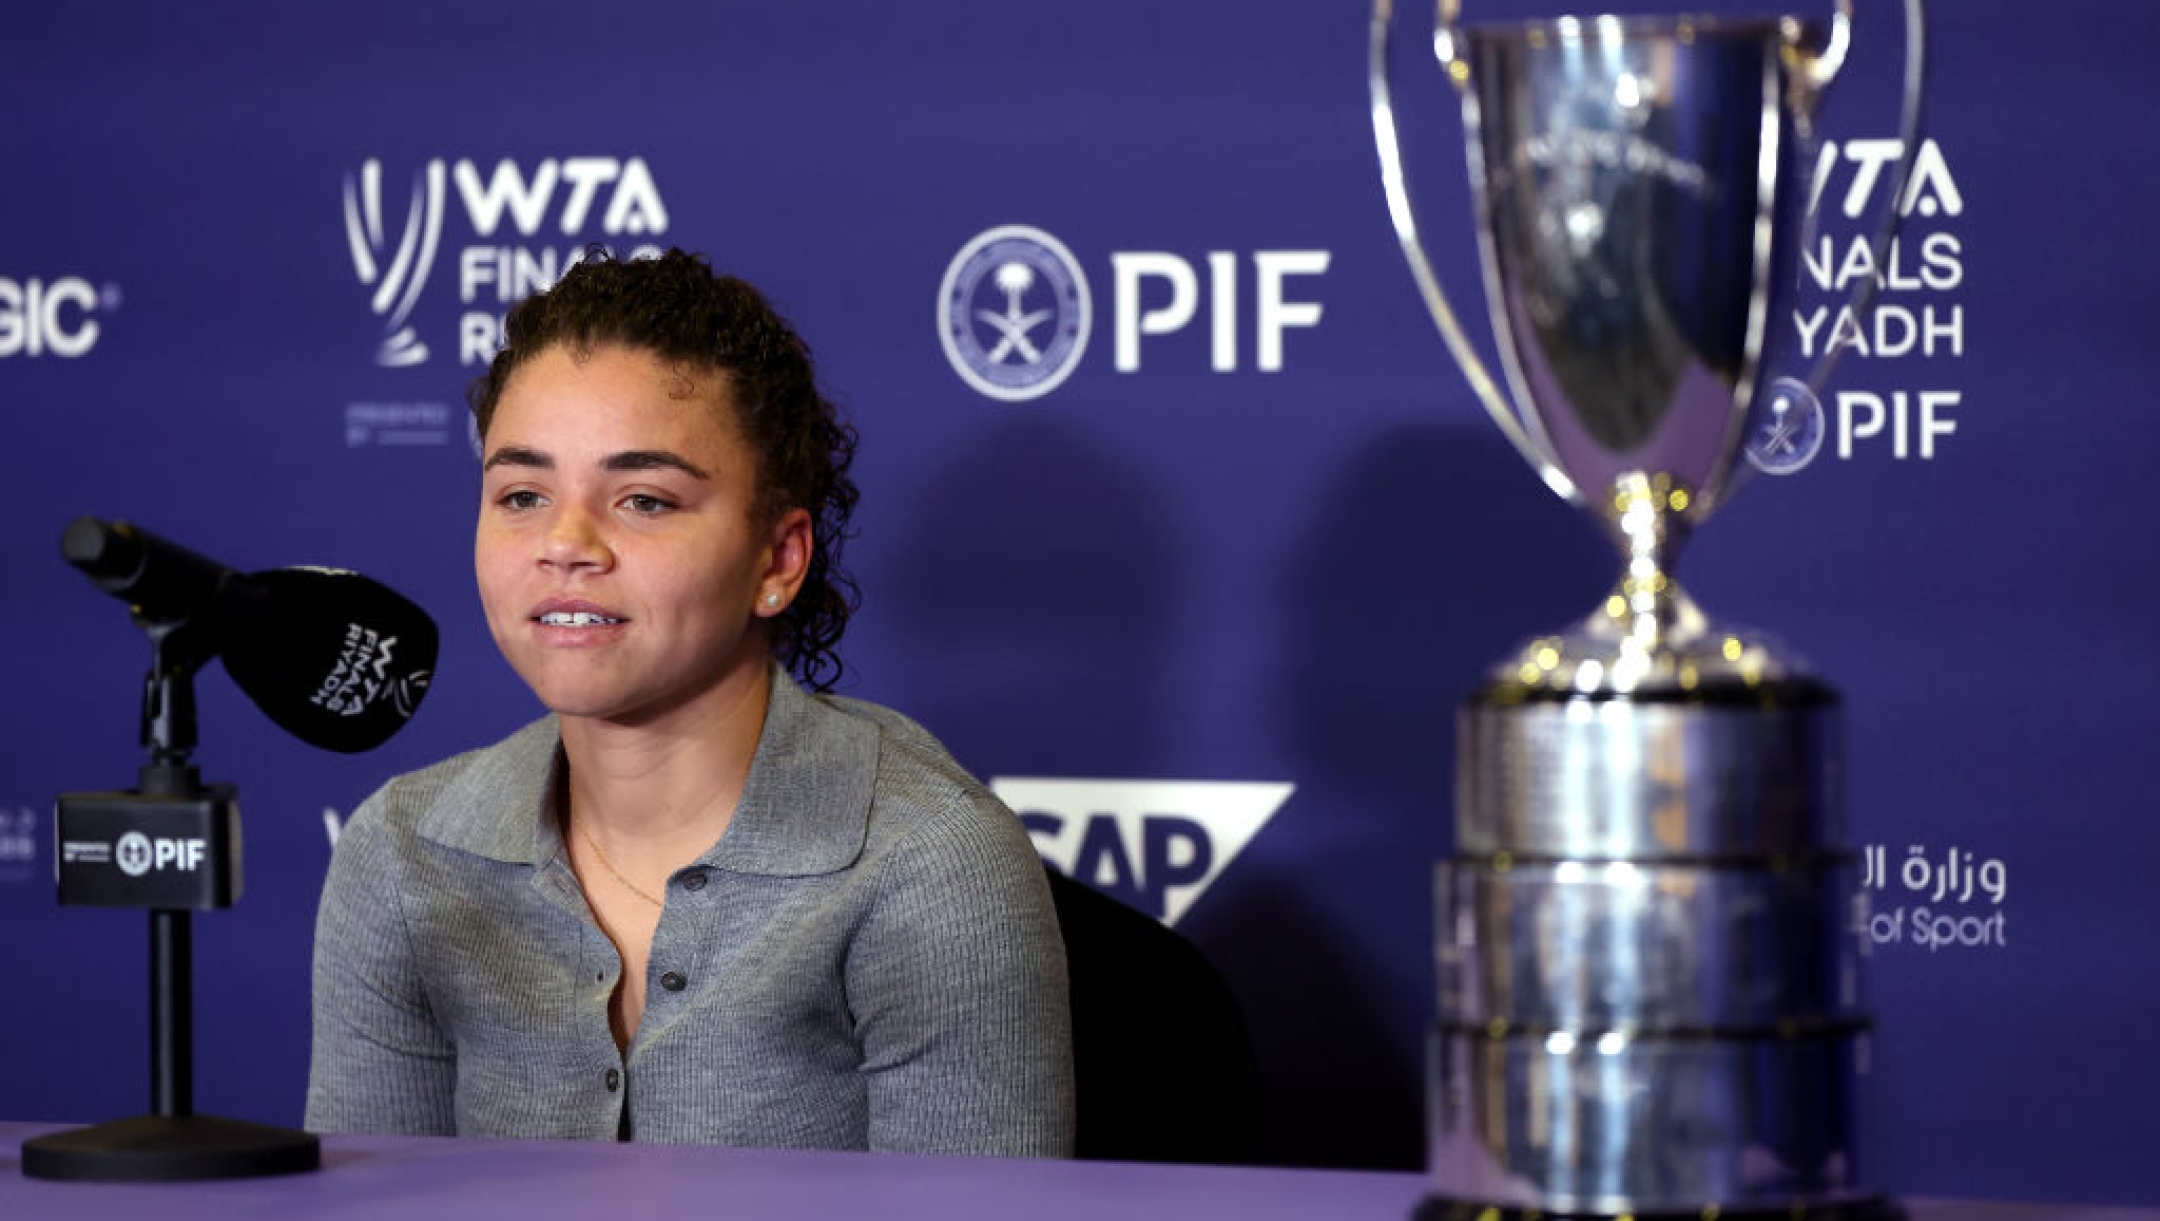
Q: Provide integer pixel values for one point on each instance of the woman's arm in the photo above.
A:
(958, 986)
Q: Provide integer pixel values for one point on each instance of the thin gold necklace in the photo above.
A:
(613, 872)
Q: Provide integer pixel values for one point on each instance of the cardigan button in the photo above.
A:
(673, 981)
(613, 1079)
(694, 880)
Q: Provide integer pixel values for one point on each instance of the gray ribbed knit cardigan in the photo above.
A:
(868, 958)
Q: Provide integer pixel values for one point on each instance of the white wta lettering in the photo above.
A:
(1930, 191)
(359, 674)
(633, 204)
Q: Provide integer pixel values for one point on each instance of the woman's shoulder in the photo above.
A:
(920, 793)
(520, 761)
(910, 759)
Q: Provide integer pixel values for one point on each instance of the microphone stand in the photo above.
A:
(149, 830)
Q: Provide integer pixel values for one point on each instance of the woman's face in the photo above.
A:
(620, 560)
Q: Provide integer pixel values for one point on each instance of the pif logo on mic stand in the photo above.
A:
(137, 854)
(132, 850)
(132, 854)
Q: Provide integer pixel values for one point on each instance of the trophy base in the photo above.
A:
(1723, 773)
(1874, 1208)
(1649, 1000)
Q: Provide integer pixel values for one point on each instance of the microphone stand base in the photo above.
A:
(166, 1149)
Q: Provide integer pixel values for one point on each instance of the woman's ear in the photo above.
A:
(787, 562)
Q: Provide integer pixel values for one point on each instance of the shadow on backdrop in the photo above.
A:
(1436, 553)
(1027, 592)
(1035, 573)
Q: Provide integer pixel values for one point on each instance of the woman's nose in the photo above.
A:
(574, 540)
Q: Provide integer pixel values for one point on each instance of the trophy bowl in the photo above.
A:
(1649, 934)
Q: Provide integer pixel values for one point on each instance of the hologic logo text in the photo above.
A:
(52, 317)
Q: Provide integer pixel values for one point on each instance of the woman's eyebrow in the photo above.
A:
(518, 455)
(627, 460)
(651, 460)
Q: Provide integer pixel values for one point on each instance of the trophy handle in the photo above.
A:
(1530, 445)
(1817, 71)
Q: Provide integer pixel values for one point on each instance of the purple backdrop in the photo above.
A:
(1203, 607)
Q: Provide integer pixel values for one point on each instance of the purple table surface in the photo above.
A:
(419, 1179)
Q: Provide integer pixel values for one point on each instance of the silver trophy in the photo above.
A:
(1647, 936)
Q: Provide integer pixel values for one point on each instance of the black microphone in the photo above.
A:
(163, 582)
(336, 659)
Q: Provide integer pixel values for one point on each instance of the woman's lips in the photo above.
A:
(570, 619)
(577, 619)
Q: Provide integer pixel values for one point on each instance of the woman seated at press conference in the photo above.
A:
(697, 903)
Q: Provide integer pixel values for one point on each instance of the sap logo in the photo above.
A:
(37, 317)
(1930, 191)
(1155, 845)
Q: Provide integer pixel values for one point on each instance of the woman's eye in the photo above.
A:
(519, 499)
(646, 505)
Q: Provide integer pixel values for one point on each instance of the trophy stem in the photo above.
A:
(1648, 614)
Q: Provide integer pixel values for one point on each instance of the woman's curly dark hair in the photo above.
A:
(677, 308)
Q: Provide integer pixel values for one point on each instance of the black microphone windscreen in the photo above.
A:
(338, 660)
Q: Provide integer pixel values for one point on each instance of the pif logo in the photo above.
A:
(1014, 309)
(1155, 845)
(1869, 300)
(55, 317)
(137, 854)
(1013, 313)
(132, 854)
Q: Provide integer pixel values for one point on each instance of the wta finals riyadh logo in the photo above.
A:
(1787, 428)
(1013, 313)
(397, 275)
